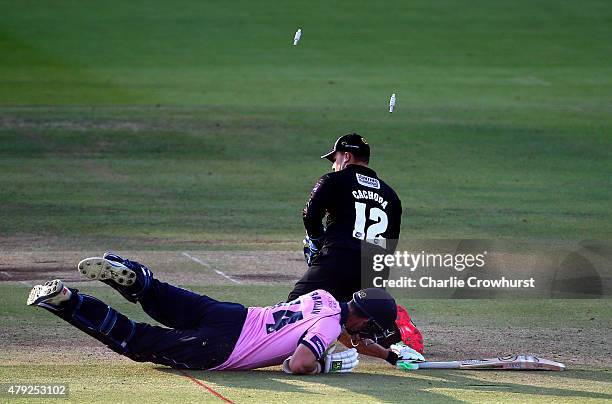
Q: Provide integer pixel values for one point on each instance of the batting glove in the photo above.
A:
(407, 358)
(311, 248)
(340, 362)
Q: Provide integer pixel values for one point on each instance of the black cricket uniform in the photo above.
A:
(363, 218)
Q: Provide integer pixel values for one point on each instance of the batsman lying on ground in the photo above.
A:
(204, 333)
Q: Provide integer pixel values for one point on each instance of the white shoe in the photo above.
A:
(52, 292)
(105, 270)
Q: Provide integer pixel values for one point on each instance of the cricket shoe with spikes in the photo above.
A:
(130, 278)
(52, 293)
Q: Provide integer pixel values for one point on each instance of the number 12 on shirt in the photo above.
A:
(375, 230)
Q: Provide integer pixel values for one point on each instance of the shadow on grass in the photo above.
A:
(421, 385)
(598, 375)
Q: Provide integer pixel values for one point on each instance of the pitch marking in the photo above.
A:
(199, 261)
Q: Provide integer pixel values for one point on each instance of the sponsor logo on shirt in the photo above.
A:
(367, 181)
(318, 345)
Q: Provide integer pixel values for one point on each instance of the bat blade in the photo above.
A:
(510, 362)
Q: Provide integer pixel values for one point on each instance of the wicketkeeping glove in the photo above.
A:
(408, 358)
(340, 362)
(311, 248)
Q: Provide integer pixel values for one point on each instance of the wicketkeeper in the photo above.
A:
(362, 217)
(202, 333)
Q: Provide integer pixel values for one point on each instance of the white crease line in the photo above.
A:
(6, 273)
(199, 261)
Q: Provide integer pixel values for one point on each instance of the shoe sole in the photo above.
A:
(101, 269)
(42, 293)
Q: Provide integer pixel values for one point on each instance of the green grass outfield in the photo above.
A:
(196, 125)
(107, 379)
(198, 121)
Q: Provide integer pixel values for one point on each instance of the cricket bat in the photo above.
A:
(510, 362)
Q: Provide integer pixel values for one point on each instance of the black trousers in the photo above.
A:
(199, 333)
(341, 272)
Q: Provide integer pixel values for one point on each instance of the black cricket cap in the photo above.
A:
(353, 143)
(378, 305)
